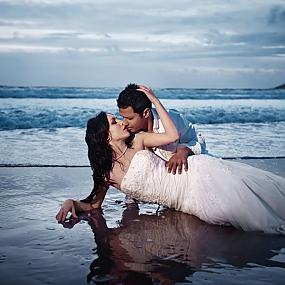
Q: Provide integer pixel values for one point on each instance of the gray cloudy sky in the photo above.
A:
(199, 44)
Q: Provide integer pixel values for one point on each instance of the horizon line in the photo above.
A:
(281, 86)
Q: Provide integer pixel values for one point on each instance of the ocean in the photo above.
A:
(46, 125)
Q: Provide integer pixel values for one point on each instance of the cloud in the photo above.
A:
(175, 34)
(45, 2)
(6, 48)
(277, 15)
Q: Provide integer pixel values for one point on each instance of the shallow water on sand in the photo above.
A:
(123, 244)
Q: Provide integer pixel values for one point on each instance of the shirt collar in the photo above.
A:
(155, 119)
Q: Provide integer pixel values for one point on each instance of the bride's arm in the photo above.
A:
(74, 206)
(157, 139)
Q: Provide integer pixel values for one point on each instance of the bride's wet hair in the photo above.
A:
(100, 153)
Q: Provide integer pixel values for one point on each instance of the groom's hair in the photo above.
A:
(131, 97)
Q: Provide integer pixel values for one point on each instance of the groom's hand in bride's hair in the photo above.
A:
(67, 207)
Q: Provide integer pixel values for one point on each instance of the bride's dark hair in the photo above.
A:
(100, 152)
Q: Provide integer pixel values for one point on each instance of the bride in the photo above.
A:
(216, 191)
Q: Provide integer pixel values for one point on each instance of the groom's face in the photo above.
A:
(133, 121)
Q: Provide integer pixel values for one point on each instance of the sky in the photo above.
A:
(161, 43)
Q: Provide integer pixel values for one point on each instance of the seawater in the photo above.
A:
(46, 126)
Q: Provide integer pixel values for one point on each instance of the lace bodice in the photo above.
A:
(144, 177)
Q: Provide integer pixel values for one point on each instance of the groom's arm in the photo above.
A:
(187, 134)
(179, 160)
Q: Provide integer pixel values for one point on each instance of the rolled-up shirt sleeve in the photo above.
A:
(187, 132)
(187, 135)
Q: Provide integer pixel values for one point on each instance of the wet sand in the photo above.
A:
(124, 244)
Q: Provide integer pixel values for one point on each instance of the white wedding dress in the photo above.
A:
(216, 191)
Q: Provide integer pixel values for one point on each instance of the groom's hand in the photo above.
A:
(179, 160)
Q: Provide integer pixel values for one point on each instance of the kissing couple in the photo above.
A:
(214, 190)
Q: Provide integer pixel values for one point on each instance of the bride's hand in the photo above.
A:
(149, 93)
(68, 206)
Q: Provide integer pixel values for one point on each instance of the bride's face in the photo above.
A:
(117, 129)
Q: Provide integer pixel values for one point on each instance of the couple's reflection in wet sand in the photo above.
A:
(171, 246)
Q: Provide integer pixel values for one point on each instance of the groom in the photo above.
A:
(138, 115)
